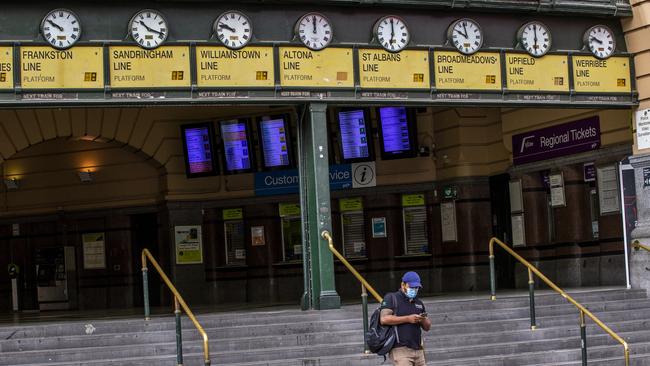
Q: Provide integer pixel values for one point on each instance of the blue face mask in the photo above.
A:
(411, 293)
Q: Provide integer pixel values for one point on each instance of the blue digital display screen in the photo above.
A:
(275, 147)
(396, 137)
(235, 145)
(354, 134)
(198, 150)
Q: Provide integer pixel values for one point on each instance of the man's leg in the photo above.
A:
(419, 358)
(401, 356)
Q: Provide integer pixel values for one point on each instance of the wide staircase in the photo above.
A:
(467, 330)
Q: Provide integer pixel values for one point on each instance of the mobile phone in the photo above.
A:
(424, 315)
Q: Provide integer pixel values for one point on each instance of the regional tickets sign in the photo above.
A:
(328, 68)
(591, 75)
(164, 67)
(6, 67)
(75, 68)
(404, 70)
(221, 67)
(526, 73)
(480, 71)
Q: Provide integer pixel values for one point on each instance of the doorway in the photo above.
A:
(502, 229)
(144, 234)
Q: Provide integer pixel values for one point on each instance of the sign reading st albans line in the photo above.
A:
(220, 67)
(165, 67)
(42, 67)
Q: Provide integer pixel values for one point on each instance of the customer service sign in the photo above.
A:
(552, 142)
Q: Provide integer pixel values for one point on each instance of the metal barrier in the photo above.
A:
(531, 288)
(179, 304)
(365, 286)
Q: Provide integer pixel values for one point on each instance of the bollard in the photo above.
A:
(493, 284)
(531, 293)
(179, 333)
(145, 289)
(364, 301)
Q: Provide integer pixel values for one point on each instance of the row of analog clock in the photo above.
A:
(149, 28)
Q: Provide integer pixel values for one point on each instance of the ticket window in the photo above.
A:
(291, 238)
(234, 239)
(354, 234)
(416, 238)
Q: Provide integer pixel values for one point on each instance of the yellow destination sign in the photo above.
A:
(591, 75)
(75, 68)
(404, 70)
(164, 67)
(222, 67)
(455, 71)
(6, 67)
(329, 68)
(549, 73)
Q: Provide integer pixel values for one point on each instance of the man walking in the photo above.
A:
(406, 312)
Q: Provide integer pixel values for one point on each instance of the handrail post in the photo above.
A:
(145, 288)
(531, 294)
(583, 338)
(493, 285)
(364, 301)
(179, 333)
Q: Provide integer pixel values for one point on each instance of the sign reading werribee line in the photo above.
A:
(6, 67)
(454, 71)
(329, 68)
(404, 70)
(75, 68)
(527, 73)
(222, 67)
(164, 67)
(591, 75)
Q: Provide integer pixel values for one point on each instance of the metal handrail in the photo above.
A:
(364, 285)
(583, 311)
(637, 245)
(178, 304)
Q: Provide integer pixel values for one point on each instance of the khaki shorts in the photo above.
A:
(404, 356)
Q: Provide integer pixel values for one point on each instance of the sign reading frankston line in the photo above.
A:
(455, 71)
(591, 75)
(75, 68)
(6, 68)
(404, 70)
(328, 68)
(134, 67)
(526, 73)
(221, 67)
(569, 138)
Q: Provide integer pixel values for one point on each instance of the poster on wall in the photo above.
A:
(189, 246)
(518, 230)
(94, 249)
(378, 227)
(557, 190)
(608, 192)
(257, 236)
(448, 221)
(643, 129)
(516, 199)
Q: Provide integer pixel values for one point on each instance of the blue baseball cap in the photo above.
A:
(412, 279)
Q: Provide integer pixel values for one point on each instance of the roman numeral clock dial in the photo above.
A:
(465, 35)
(392, 33)
(315, 31)
(61, 28)
(148, 28)
(233, 29)
(535, 38)
(600, 41)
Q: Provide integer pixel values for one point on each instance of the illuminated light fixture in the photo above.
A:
(85, 176)
(11, 183)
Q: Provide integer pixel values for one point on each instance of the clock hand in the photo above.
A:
(596, 39)
(227, 27)
(149, 28)
(535, 30)
(465, 28)
(313, 19)
(55, 25)
(392, 32)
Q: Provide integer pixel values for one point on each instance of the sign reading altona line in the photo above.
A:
(455, 71)
(592, 75)
(164, 67)
(43, 67)
(6, 67)
(526, 73)
(328, 68)
(405, 70)
(222, 67)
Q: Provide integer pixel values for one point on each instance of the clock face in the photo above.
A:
(600, 41)
(233, 29)
(466, 36)
(315, 31)
(535, 38)
(392, 33)
(61, 28)
(148, 28)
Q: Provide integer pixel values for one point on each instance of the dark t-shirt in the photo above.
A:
(408, 335)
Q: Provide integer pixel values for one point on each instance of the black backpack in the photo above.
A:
(380, 338)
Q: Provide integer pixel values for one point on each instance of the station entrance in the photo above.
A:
(214, 193)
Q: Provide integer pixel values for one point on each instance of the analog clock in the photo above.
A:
(148, 28)
(465, 35)
(315, 31)
(233, 29)
(392, 33)
(535, 38)
(600, 41)
(61, 28)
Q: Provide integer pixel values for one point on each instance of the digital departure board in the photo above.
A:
(397, 125)
(198, 150)
(236, 145)
(355, 138)
(276, 143)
